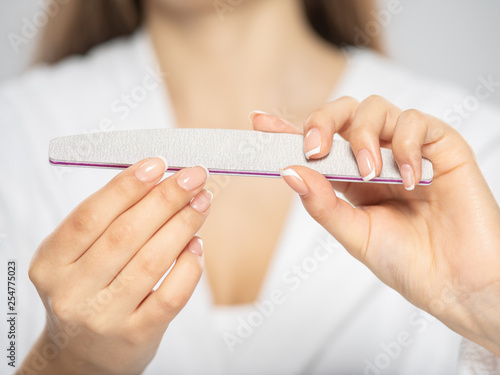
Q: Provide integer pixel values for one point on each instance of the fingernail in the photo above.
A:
(151, 169)
(312, 142)
(195, 246)
(202, 200)
(193, 177)
(294, 181)
(254, 113)
(366, 165)
(408, 176)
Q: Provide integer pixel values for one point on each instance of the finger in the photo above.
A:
(87, 222)
(375, 119)
(129, 232)
(409, 136)
(147, 267)
(265, 122)
(322, 124)
(350, 226)
(417, 134)
(162, 305)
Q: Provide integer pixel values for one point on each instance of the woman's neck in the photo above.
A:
(225, 62)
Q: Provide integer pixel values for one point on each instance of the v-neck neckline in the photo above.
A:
(287, 232)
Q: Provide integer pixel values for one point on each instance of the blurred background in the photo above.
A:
(452, 40)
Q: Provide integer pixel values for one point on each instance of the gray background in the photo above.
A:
(452, 40)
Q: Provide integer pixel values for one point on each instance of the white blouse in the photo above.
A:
(319, 312)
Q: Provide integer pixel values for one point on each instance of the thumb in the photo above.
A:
(349, 225)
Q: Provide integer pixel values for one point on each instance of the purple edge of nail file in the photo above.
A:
(221, 151)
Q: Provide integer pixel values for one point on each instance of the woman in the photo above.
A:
(280, 295)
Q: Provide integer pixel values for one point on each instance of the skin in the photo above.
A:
(228, 55)
(438, 246)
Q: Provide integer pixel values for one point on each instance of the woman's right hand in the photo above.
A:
(96, 272)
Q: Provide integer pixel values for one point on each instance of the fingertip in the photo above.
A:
(151, 169)
(252, 114)
(312, 143)
(408, 176)
(366, 164)
(195, 246)
(164, 162)
(295, 181)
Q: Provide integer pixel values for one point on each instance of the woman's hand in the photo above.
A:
(96, 272)
(438, 245)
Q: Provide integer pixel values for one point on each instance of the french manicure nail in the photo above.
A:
(193, 177)
(366, 164)
(202, 200)
(408, 176)
(195, 246)
(312, 142)
(253, 113)
(151, 169)
(293, 180)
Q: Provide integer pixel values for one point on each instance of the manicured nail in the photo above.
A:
(202, 200)
(408, 176)
(195, 246)
(366, 165)
(193, 177)
(254, 113)
(151, 169)
(294, 181)
(312, 142)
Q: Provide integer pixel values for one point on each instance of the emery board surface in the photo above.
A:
(222, 151)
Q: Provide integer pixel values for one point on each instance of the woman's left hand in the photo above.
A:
(438, 245)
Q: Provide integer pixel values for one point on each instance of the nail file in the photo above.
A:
(221, 151)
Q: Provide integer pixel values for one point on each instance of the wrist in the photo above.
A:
(48, 357)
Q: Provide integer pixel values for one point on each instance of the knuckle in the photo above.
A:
(190, 219)
(62, 309)
(35, 273)
(165, 194)
(85, 221)
(362, 131)
(407, 144)
(348, 100)
(121, 186)
(119, 233)
(376, 100)
(99, 326)
(149, 262)
(136, 331)
(410, 116)
(174, 301)
(39, 275)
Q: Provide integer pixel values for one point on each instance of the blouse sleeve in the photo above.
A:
(476, 360)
